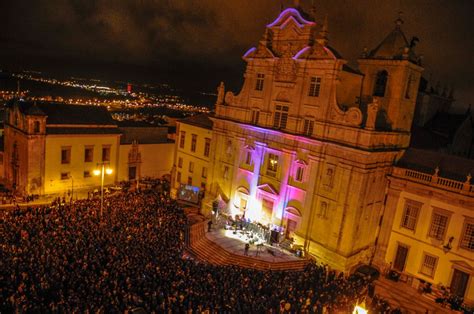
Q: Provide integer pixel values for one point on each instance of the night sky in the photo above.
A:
(200, 42)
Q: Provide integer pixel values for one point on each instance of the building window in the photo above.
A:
(428, 266)
(87, 174)
(65, 175)
(178, 177)
(314, 86)
(260, 81)
(272, 165)
(88, 154)
(190, 180)
(380, 84)
(255, 116)
(66, 155)
(182, 138)
(467, 241)
(191, 167)
(180, 162)
(193, 142)
(106, 153)
(36, 127)
(204, 172)
(308, 127)
(410, 215)
(323, 210)
(281, 117)
(438, 226)
(299, 173)
(207, 147)
(248, 158)
(203, 185)
(409, 86)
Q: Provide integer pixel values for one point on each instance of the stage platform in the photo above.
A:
(235, 244)
(223, 247)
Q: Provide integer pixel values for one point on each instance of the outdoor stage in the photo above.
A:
(235, 244)
(223, 247)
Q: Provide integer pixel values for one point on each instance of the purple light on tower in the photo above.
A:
(293, 12)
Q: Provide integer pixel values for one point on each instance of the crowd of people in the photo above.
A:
(64, 258)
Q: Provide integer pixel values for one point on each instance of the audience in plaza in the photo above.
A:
(65, 258)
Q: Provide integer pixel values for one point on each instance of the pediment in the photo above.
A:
(464, 266)
(294, 211)
(268, 188)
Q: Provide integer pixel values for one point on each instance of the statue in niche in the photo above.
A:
(229, 149)
(220, 94)
(372, 110)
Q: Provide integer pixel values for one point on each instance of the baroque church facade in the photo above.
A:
(308, 142)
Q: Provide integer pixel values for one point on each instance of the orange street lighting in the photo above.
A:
(102, 171)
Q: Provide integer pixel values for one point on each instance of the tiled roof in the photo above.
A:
(393, 47)
(144, 135)
(60, 113)
(446, 124)
(201, 120)
(55, 130)
(451, 167)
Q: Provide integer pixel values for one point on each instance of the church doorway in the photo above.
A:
(459, 283)
(132, 172)
(290, 228)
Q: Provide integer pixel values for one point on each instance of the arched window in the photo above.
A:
(380, 83)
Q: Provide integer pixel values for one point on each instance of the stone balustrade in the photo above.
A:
(436, 181)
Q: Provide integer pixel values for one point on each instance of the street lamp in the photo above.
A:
(102, 172)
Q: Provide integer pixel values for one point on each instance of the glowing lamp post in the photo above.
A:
(102, 172)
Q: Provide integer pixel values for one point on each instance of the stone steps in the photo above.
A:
(206, 250)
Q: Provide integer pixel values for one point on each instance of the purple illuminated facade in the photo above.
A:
(300, 147)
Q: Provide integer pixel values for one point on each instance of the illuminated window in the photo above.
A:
(255, 116)
(438, 226)
(314, 86)
(308, 127)
(190, 180)
(204, 172)
(193, 142)
(178, 177)
(180, 162)
(182, 138)
(66, 155)
(299, 173)
(281, 117)
(106, 153)
(428, 266)
(191, 167)
(467, 240)
(88, 154)
(272, 165)
(260, 81)
(207, 147)
(36, 127)
(64, 175)
(380, 83)
(87, 174)
(410, 215)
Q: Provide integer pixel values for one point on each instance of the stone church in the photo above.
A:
(307, 143)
